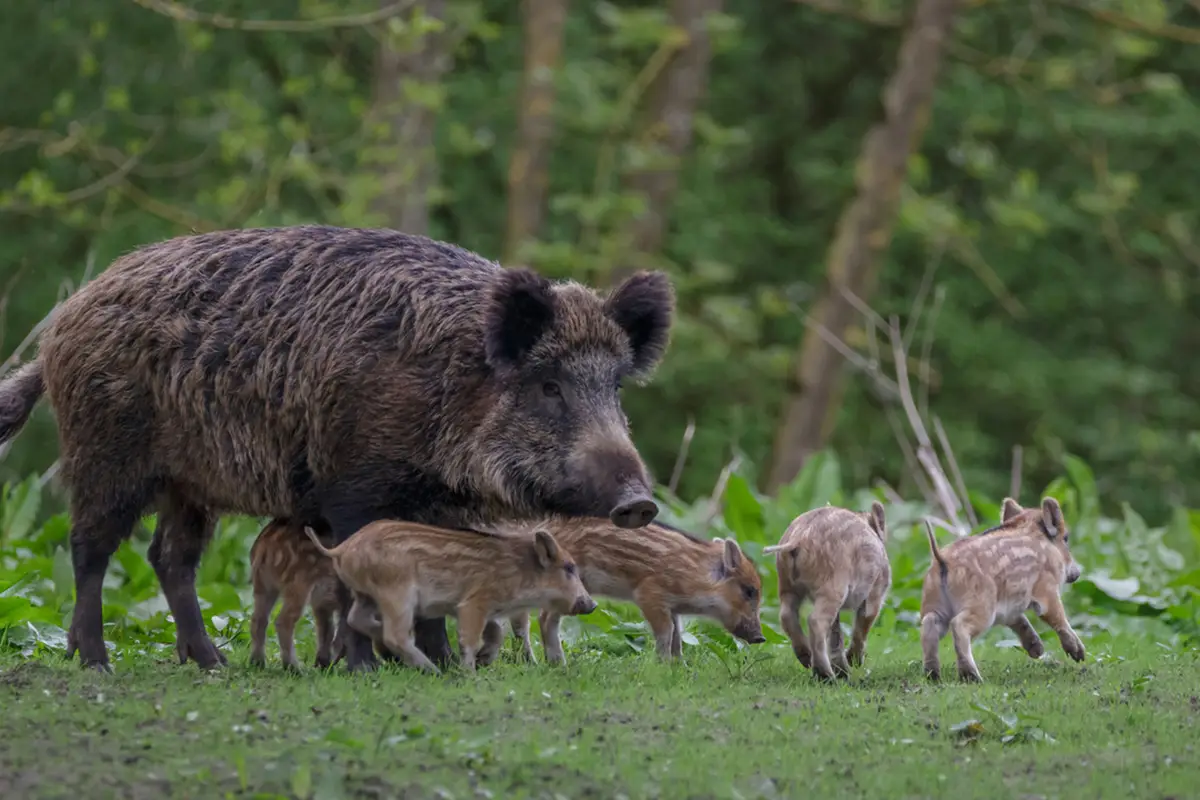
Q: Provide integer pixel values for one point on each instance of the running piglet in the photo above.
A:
(993, 578)
(836, 558)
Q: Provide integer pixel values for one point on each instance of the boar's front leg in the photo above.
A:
(1055, 616)
(548, 622)
(180, 537)
(1028, 636)
(837, 650)
(493, 641)
(294, 600)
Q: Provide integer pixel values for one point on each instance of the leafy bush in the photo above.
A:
(1134, 575)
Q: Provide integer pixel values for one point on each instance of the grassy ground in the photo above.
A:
(1121, 726)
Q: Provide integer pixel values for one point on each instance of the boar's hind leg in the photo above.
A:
(821, 621)
(965, 626)
(933, 628)
(182, 533)
(96, 533)
(864, 619)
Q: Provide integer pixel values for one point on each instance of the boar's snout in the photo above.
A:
(584, 604)
(634, 508)
(1073, 571)
(634, 513)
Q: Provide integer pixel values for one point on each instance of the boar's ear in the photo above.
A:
(545, 547)
(519, 312)
(1009, 509)
(1052, 517)
(878, 522)
(731, 556)
(643, 306)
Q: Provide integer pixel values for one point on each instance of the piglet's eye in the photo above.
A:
(569, 569)
(750, 592)
(551, 389)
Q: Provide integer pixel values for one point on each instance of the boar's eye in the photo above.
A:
(749, 591)
(551, 389)
(569, 568)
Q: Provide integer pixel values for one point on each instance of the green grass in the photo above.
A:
(1123, 724)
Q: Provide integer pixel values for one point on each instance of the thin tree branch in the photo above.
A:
(681, 459)
(182, 13)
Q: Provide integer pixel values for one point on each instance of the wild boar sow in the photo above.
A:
(993, 578)
(344, 375)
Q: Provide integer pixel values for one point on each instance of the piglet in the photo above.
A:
(282, 561)
(835, 557)
(993, 578)
(404, 571)
(667, 572)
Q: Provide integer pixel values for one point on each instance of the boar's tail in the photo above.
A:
(19, 393)
(311, 534)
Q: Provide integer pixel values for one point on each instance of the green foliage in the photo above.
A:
(1049, 178)
(1134, 575)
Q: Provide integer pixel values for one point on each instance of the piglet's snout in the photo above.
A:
(584, 604)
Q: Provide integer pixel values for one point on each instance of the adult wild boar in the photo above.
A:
(331, 375)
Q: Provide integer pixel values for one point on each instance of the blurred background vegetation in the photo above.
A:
(1023, 202)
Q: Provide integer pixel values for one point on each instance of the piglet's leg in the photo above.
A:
(294, 600)
(493, 640)
(520, 626)
(551, 643)
(826, 605)
(965, 626)
(323, 620)
(660, 621)
(933, 628)
(471, 623)
(1056, 617)
(265, 598)
(398, 633)
(789, 617)
(837, 652)
(864, 619)
(1029, 637)
(676, 636)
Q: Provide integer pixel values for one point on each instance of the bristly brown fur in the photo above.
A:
(405, 571)
(980, 581)
(667, 572)
(837, 558)
(284, 562)
(321, 373)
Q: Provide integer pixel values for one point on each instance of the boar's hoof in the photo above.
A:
(99, 666)
(258, 661)
(323, 663)
(934, 675)
(970, 676)
(634, 513)
(202, 651)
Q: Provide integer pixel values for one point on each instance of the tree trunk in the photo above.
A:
(406, 119)
(675, 94)
(863, 235)
(527, 168)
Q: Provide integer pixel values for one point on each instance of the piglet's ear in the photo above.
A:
(1052, 517)
(644, 305)
(520, 311)
(878, 523)
(1009, 509)
(731, 555)
(545, 547)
